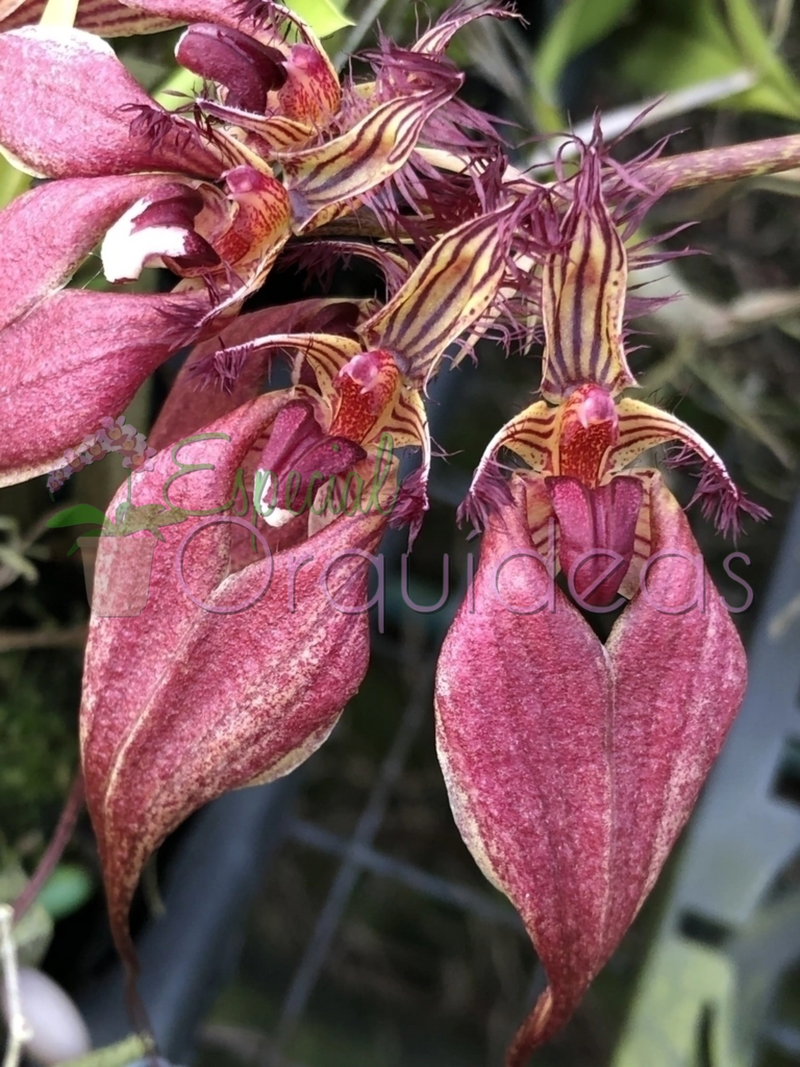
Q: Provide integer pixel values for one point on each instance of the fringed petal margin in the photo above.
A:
(322, 355)
(408, 426)
(437, 38)
(642, 427)
(533, 436)
(219, 375)
(278, 132)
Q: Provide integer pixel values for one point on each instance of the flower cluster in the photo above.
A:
(571, 764)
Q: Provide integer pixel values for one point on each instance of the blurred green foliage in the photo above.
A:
(662, 46)
(38, 742)
(682, 44)
(577, 25)
(34, 931)
(66, 890)
(323, 16)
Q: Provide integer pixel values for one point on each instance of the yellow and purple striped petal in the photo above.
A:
(321, 179)
(642, 427)
(452, 287)
(107, 18)
(583, 295)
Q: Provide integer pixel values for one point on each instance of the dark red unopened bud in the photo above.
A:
(245, 67)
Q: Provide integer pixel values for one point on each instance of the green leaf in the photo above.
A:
(13, 182)
(34, 931)
(578, 24)
(740, 411)
(682, 45)
(757, 50)
(123, 1054)
(666, 58)
(17, 562)
(76, 514)
(66, 890)
(323, 16)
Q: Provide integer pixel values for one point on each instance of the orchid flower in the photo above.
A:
(229, 624)
(241, 663)
(274, 146)
(572, 764)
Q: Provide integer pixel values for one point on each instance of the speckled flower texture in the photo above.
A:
(229, 626)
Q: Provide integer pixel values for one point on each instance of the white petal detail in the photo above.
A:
(126, 252)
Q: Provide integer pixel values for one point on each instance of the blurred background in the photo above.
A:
(336, 919)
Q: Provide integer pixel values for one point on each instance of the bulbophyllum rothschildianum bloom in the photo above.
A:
(255, 634)
(572, 765)
(274, 147)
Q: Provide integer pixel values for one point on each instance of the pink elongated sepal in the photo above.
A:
(46, 233)
(75, 359)
(572, 767)
(225, 678)
(78, 113)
